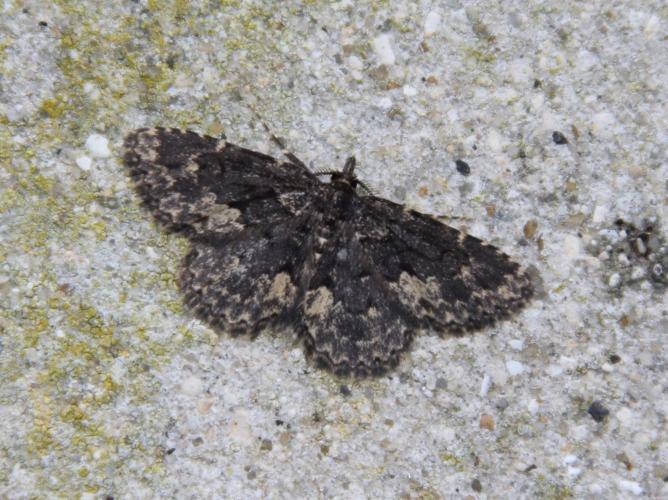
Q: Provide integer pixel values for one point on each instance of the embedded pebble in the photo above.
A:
(631, 486)
(614, 280)
(637, 272)
(355, 63)
(514, 367)
(385, 103)
(98, 145)
(602, 124)
(559, 138)
(432, 23)
(626, 417)
(516, 344)
(485, 385)
(600, 214)
(462, 167)
(409, 91)
(84, 162)
(487, 422)
(533, 406)
(598, 412)
(382, 45)
(192, 386)
(572, 247)
(554, 370)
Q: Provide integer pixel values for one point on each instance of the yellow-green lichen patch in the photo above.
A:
(75, 387)
(73, 343)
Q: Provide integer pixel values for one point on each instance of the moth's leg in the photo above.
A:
(279, 142)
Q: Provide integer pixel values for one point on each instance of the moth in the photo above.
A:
(271, 244)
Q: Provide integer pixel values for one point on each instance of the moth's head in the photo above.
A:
(346, 178)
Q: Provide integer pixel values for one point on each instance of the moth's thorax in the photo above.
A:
(345, 179)
(346, 183)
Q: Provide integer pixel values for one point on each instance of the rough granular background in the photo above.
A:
(536, 128)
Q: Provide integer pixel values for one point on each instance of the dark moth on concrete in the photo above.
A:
(272, 245)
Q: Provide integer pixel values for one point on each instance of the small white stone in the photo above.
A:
(579, 432)
(382, 45)
(239, 429)
(516, 344)
(98, 145)
(432, 23)
(637, 272)
(537, 101)
(355, 63)
(494, 140)
(514, 367)
(447, 434)
(533, 406)
(554, 370)
(631, 486)
(652, 25)
(626, 417)
(192, 386)
(409, 91)
(570, 459)
(385, 103)
(600, 214)
(485, 385)
(602, 124)
(84, 163)
(615, 280)
(572, 247)
(573, 471)
(623, 259)
(585, 60)
(595, 488)
(520, 71)
(151, 253)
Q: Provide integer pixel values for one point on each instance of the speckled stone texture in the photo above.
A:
(540, 128)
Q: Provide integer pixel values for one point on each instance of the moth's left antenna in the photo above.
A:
(278, 141)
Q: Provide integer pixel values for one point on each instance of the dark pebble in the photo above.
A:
(475, 484)
(43, 24)
(501, 404)
(345, 390)
(614, 359)
(559, 138)
(597, 411)
(462, 167)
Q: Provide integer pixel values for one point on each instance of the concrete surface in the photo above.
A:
(111, 388)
